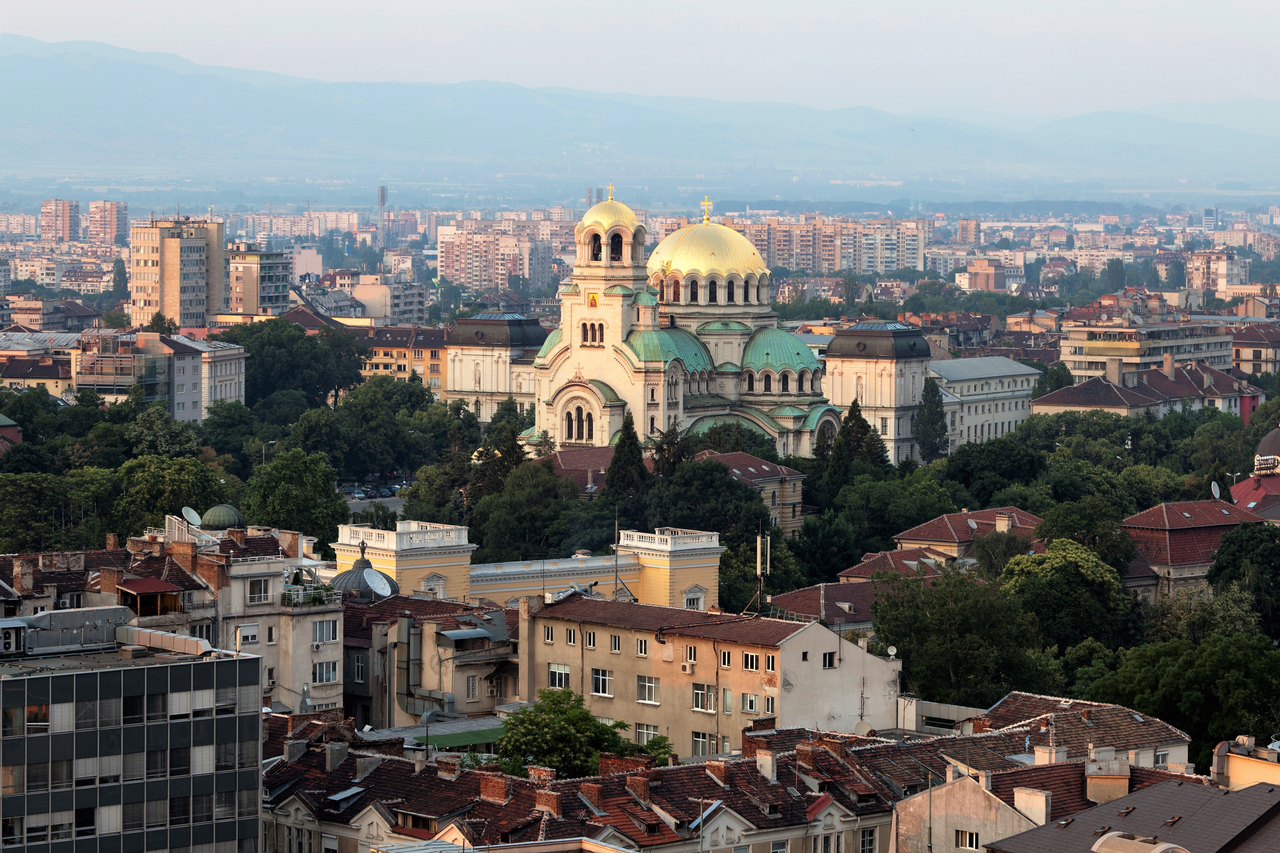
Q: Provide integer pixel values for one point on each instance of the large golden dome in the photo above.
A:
(706, 247)
(609, 213)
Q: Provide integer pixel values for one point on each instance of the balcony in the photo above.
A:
(310, 596)
(669, 539)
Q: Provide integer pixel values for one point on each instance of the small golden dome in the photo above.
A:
(609, 213)
(704, 248)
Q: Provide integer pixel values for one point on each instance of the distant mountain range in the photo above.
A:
(90, 108)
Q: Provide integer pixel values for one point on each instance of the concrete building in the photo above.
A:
(699, 678)
(59, 220)
(402, 352)
(994, 394)
(177, 268)
(1177, 541)
(671, 568)
(485, 261)
(882, 365)
(969, 232)
(1216, 271)
(1256, 348)
(127, 739)
(983, 274)
(390, 302)
(491, 358)
(108, 220)
(258, 280)
(305, 263)
(953, 534)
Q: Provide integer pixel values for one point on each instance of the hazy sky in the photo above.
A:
(897, 55)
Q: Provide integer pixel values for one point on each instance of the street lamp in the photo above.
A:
(1235, 476)
(264, 451)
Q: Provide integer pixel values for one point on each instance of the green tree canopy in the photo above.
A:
(295, 491)
(1249, 556)
(1093, 522)
(1189, 614)
(931, 422)
(162, 324)
(154, 433)
(283, 356)
(527, 519)
(1072, 593)
(558, 731)
(156, 486)
(705, 496)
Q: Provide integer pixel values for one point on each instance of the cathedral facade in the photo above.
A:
(686, 339)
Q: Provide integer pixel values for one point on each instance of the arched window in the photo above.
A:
(693, 292)
(584, 333)
(768, 383)
(590, 424)
(568, 426)
(751, 382)
(728, 291)
(593, 333)
(652, 425)
(773, 497)
(478, 412)
(579, 414)
(653, 394)
(595, 247)
(711, 291)
(800, 384)
(615, 247)
(785, 383)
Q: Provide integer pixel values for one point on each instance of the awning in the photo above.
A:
(457, 739)
(144, 586)
(466, 633)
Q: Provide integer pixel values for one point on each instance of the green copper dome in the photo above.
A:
(777, 350)
(723, 326)
(552, 341)
(667, 345)
(222, 517)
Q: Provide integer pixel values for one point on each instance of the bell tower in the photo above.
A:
(596, 308)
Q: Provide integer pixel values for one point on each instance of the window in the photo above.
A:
(1162, 758)
(157, 763)
(248, 633)
(615, 643)
(750, 702)
(11, 831)
(473, 688)
(691, 654)
(589, 637)
(570, 636)
(202, 808)
(271, 635)
(38, 719)
(548, 634)
(13, 779)
(704, 697)
(13, 722)
(778, 847)
(693, 602)
(259, 590)
(768, 704)
(804, 656)
(179, 761)
(828, 660)
(769, 663)
(966, 840)
(726, 659)
(324, 672)
(358, 669)
(867, 841)
(602, 682)
(324, 631)
(727, 704)
(642, 648)
(109, 769)
(87, 715)
(179, 811)
(645, 733)
(558, 676)
(750, 662)
(700, 742)
(647, 689)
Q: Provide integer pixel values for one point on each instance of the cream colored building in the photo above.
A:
(994, 394)
(258, 280)
(177, 268)
(491, 358)
(1086, 346)
(700, 678)
(671, 567)
(688, 339)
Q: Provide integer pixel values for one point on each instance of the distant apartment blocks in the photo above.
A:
(108, 220)
(177, 270)
(487, 261)
(59, 220)
(258, 280)
(823, 246)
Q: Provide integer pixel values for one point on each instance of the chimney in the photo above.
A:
(1102, 753)
(1205, 374)
(984, 777)
(767, 764)
(591, 478)
(448, 766)
(334, 754)
(806, 755)
(1168, 366)
(293, 750)
(715, 769)
(1036, 805)
(365, 766)
(639, 788)
(541, 776)
(108, 579)
(290, 543)
(952, 772)
(24, 575)
(113, 541)
(593, 793)
(236, 535)
(1087, 715)
(1113, 370)
(1050, 754)
(184, 554)
(549, 802)
(493, 789)
(1004, 521)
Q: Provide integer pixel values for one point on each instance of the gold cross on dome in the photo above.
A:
(706, 209)
(610, 192)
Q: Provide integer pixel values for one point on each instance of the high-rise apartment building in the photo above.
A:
(258, 280)
(969, 232)
(488, 261)
(1210, 219)
(1218, 271)
(116, 738)
(59, 220)
(108, 220)
(825, 246)
(178, 269)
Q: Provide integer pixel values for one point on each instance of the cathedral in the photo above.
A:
(687, 339)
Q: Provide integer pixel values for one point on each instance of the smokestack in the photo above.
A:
(1168, 366)
(1113, 371)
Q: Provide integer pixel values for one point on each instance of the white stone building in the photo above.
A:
(994, 394)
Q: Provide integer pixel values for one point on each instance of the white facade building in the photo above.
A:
(994, 394)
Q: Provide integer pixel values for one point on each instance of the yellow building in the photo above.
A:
(402, 351)
(671, 567)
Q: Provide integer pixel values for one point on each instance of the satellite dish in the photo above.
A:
(862, 728)
(192, 517)
(973, 525)
(377, 582)
(892, 650)
(1217, 492)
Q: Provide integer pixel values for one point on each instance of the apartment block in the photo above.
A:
(826, 246)
(59, 220)
(1217, 271)
(258, 280)
(108, 220)
(178, 268)
(969, 232)
(1086, 345)
(487, 261)
(402, 352)
(117, 738)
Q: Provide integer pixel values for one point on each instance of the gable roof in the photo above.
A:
(751, 630)
(904, 561)
(746, 468)
(824, 601)
(1191, 515)
(954, 526)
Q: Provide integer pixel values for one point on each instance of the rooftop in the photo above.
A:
(750, 630)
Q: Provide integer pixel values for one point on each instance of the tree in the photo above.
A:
(377, 515)
(155, 486)
(281, 355)
(162, 324)
(994, 551)
(320, 431)
(960, 640)
(526, 520)
(558, 731)
(705, 496)
(627, 480)
(115, 320)
(119, 278)
(26, 458)
(1093, 522)
(227, 426)
(1057, 376)
(281, 408)
(857, 450)
(1073, 594)
(508, 413)
(931, 422)
(154, 433)
(1249, 556)
(731, 438)
(1175, 276)
(296, 492)
(669, 450)
(1113, 277)
(1188, 614)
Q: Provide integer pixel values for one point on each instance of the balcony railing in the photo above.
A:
(311, 596)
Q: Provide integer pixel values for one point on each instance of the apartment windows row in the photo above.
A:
(28, 720)
(589, 640)
(60, 775)
(648, 689)
(129, 817)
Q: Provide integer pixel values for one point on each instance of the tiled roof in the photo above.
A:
(1075, 723)
(747, 468)
(823, 601)
(751, 630)
(1018, 706)
(1098, 393)
(358, 617)
(162, 568)
(904, 561)
(1186, 515)
(954, 527)
(1185, 533)
(31, 368)
(254, 546)
(1257, 333)
(1065, 782)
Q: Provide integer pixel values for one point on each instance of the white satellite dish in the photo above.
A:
(973, 525)
(1217, 492)
(892, 650)
(862, 728)
(377, 582)
(192, 517)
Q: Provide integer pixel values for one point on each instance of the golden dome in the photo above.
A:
(609, 213)
(704, 248)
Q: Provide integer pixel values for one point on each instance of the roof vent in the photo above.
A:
(1102, 830)
(1171, 821)
(1065, 822)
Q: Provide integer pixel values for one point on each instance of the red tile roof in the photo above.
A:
(823, 601)
(954, 527)
(1185, 533)
(1186, 515)
(1065, 782)
(751, 630)
(747, 468)
(358, 617)
(904, 561)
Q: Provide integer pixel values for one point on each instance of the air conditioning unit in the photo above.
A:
(687, 668)
(271, 683)
(315, 647)
(493, 691)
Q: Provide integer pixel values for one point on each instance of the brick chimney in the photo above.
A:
(1114, 368)
(593, 793)
(549, 802)
(448, 766)
(541, 776)
(639, 788)
(113, 541)
(611, 764)
(108, 580)
(1168, 366)
(290, 543)
(493, 789)
(24, 575)
(184, 554)
(716, 770)
(806, 755)
(236, 535)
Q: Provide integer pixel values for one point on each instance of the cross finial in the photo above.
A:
(706, 209)
(610, 192)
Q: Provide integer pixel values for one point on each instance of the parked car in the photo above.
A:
(385, 493)
(357, 495)
(347, 490)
